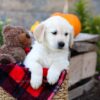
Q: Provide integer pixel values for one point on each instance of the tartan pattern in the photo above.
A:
(15, 79)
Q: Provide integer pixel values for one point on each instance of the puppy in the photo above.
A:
(53, 37)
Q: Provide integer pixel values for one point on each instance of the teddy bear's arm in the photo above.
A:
(18, 53)
(6, 59)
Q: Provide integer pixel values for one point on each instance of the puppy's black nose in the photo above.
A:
(61, 45)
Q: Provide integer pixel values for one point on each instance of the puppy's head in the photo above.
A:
(55, 33)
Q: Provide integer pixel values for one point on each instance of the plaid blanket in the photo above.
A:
(15, 79)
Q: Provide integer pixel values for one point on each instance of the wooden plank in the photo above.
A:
(78, 91)
(82, 66)
(84, 47)
(75, 71)
(89, 64)
(87, 37)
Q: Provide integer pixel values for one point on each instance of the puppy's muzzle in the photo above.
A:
(61, 44)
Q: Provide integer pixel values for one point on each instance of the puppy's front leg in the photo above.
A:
(36, 75)
(55, 71)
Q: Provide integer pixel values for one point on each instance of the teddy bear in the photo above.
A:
(15, 39)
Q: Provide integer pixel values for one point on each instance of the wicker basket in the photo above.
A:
(61, 95)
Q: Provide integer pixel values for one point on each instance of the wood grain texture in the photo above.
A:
(84, 47)
(87, 37)
(80, 90)
(82, 66)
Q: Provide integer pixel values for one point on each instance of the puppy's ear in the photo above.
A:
(71, 39)
(39, 32)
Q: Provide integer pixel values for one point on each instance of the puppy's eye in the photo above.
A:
(66, 34)
(54, 33)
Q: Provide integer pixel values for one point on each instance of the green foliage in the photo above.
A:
(2, 23)
(95, 26)
(1, 27)
(81, 11)
(90, 24)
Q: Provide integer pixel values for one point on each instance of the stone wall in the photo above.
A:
(25, 12)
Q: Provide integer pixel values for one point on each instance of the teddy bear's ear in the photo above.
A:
(20, 29)
(7, 28)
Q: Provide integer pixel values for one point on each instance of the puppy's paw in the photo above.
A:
(36, 81)
(53, 76)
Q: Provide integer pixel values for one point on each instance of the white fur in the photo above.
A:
(45, 52)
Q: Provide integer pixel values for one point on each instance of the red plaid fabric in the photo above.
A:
(15, 79)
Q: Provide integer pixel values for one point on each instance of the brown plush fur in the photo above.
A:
(15, 40)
